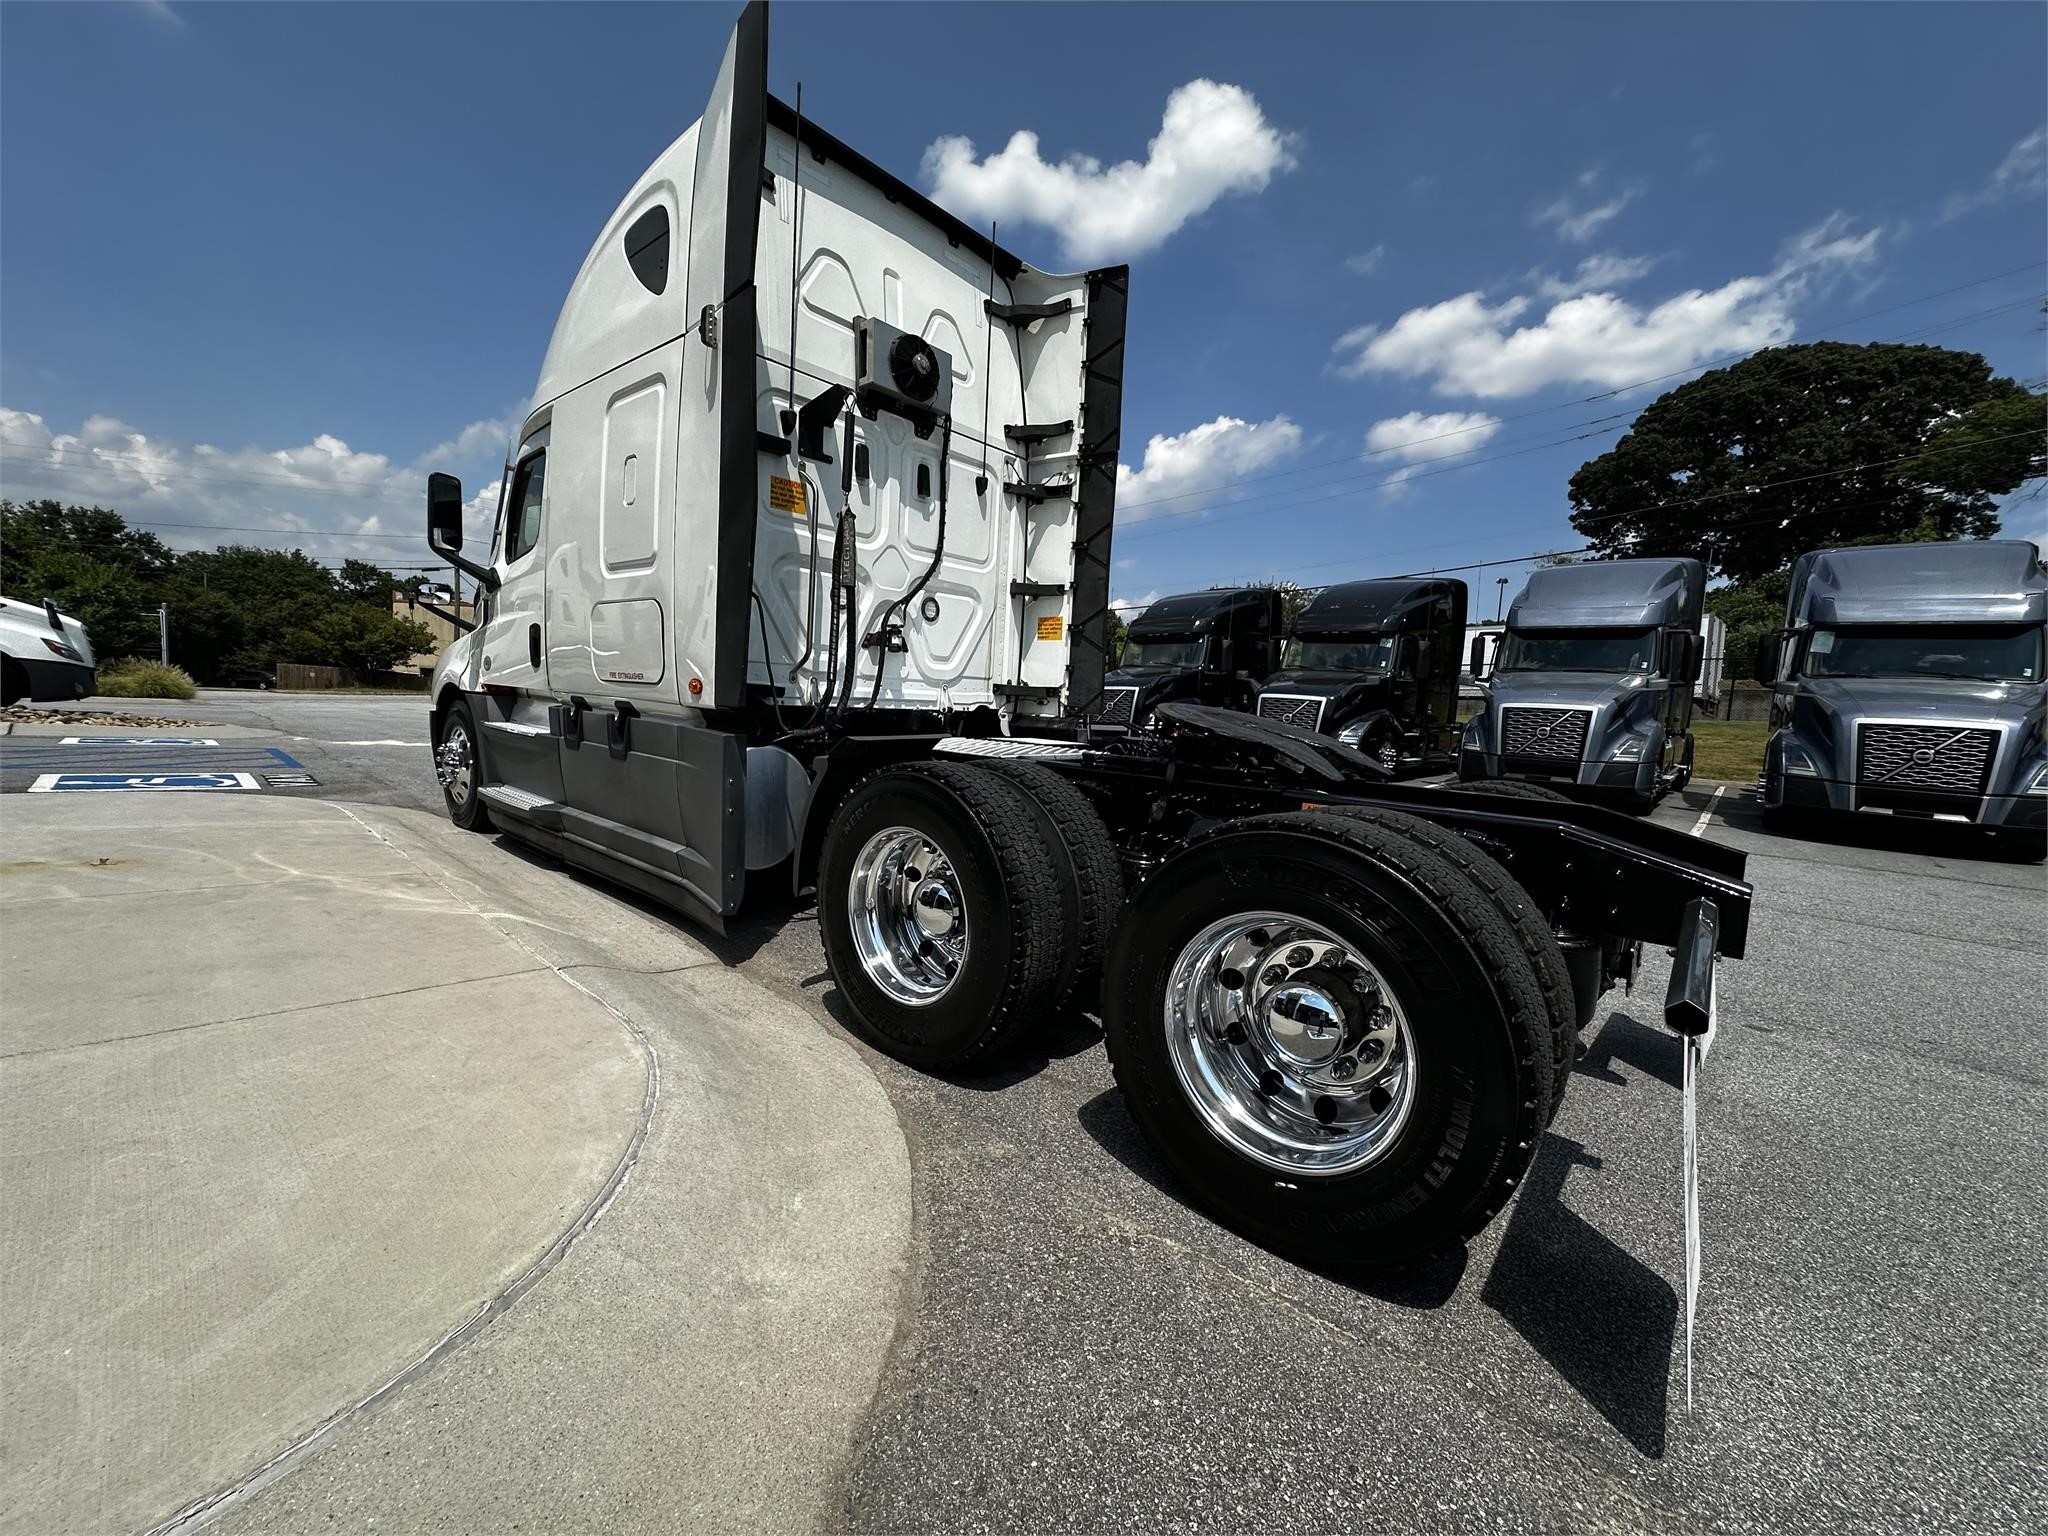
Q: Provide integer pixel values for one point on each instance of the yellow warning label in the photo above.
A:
(786, 495)
(1052, 628)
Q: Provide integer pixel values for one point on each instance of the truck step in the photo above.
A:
(1035, 491)
(1037, 431)
(1003, 746)
(1024, 314)
(524, 801)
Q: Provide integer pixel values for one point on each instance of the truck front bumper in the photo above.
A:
(1806, 792)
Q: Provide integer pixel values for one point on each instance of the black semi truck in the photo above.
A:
(1375, 664)
(1211, 648)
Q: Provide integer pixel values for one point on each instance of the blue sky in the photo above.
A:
(263, 265)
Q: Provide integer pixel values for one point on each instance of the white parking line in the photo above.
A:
(1708, 814)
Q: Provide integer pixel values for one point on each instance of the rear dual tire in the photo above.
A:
(960, 904)
(1481, 1035)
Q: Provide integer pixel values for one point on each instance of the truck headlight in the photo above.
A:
(1352, 734)
(59, 648)
(1629, 751)
(1798, 763)
(2040, 783)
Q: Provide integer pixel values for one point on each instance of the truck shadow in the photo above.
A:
(1599, 1316)
(1626, 1039)
(1420, 1287)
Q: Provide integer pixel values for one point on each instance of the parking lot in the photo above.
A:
(1079, 1349)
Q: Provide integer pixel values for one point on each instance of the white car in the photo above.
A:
(45, 654)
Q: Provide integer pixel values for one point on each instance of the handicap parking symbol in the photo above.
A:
(56, 783)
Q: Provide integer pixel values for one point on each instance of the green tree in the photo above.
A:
(1806, 447)
(358, 581)
(356, 636)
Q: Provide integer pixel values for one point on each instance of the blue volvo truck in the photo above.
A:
(1907, 681)
(1592, 687)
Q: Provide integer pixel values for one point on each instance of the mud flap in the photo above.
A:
(1689, 1011)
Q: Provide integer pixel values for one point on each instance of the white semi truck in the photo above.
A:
(800, 578)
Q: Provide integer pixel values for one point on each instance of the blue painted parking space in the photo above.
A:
(146, 764)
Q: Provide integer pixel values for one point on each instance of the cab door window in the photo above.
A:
(523, 506)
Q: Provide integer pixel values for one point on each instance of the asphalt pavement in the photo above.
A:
(1079, 1349)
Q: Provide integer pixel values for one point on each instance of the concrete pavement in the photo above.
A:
(297, 1100)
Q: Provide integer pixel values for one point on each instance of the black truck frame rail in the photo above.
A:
(1605, 880)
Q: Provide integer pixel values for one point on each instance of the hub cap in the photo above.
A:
(454, 764)
(1292, 1049)
(909, 925)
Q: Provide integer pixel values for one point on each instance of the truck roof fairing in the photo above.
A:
(1962, 582)
(1612, 594)
(1195, 613)
(1390, 604)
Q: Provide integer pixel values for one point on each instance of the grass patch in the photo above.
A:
(137, 679)
(1729, 749)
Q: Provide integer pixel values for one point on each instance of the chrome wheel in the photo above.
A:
(455, 763)
(1389, 755)
(1291, 1048)
(909, 925)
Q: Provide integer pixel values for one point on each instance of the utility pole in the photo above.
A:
(163, 633)
(1500, 598)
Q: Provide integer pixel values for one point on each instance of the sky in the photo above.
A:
(1397, 270)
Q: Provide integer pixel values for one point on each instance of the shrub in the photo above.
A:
(136, 679)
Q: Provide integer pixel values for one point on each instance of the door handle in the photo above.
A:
(533, 645)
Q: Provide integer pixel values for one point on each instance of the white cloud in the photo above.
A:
(1181, 472)
(1366, 263)
(1131, 607)
(1605, 270)
(1417, 438)
(1578, 221)
(1213, 141)
(323, 496)
(1468, 346)
(2024, 170)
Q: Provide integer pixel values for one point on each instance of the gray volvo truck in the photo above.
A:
(1592, 688)
(1375, 664)
(1908, 682)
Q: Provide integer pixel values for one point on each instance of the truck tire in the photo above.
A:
(1383, 746)
(1264, 945)
(1524, 920)
(1090, 866)
(1513, 789)
(458, 764)
(941, 910)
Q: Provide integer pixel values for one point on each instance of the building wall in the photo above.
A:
(405, 606)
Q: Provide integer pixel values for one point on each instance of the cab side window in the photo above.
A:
(523, 506)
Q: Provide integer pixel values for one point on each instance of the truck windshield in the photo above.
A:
(1162, 653)
(1610, 652)
(1366, 654)
(1987, 652)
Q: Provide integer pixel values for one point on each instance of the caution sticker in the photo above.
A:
(1052, 628)
(786, 495)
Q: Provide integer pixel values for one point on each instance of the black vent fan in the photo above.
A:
(914, 368)
(902, 372)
